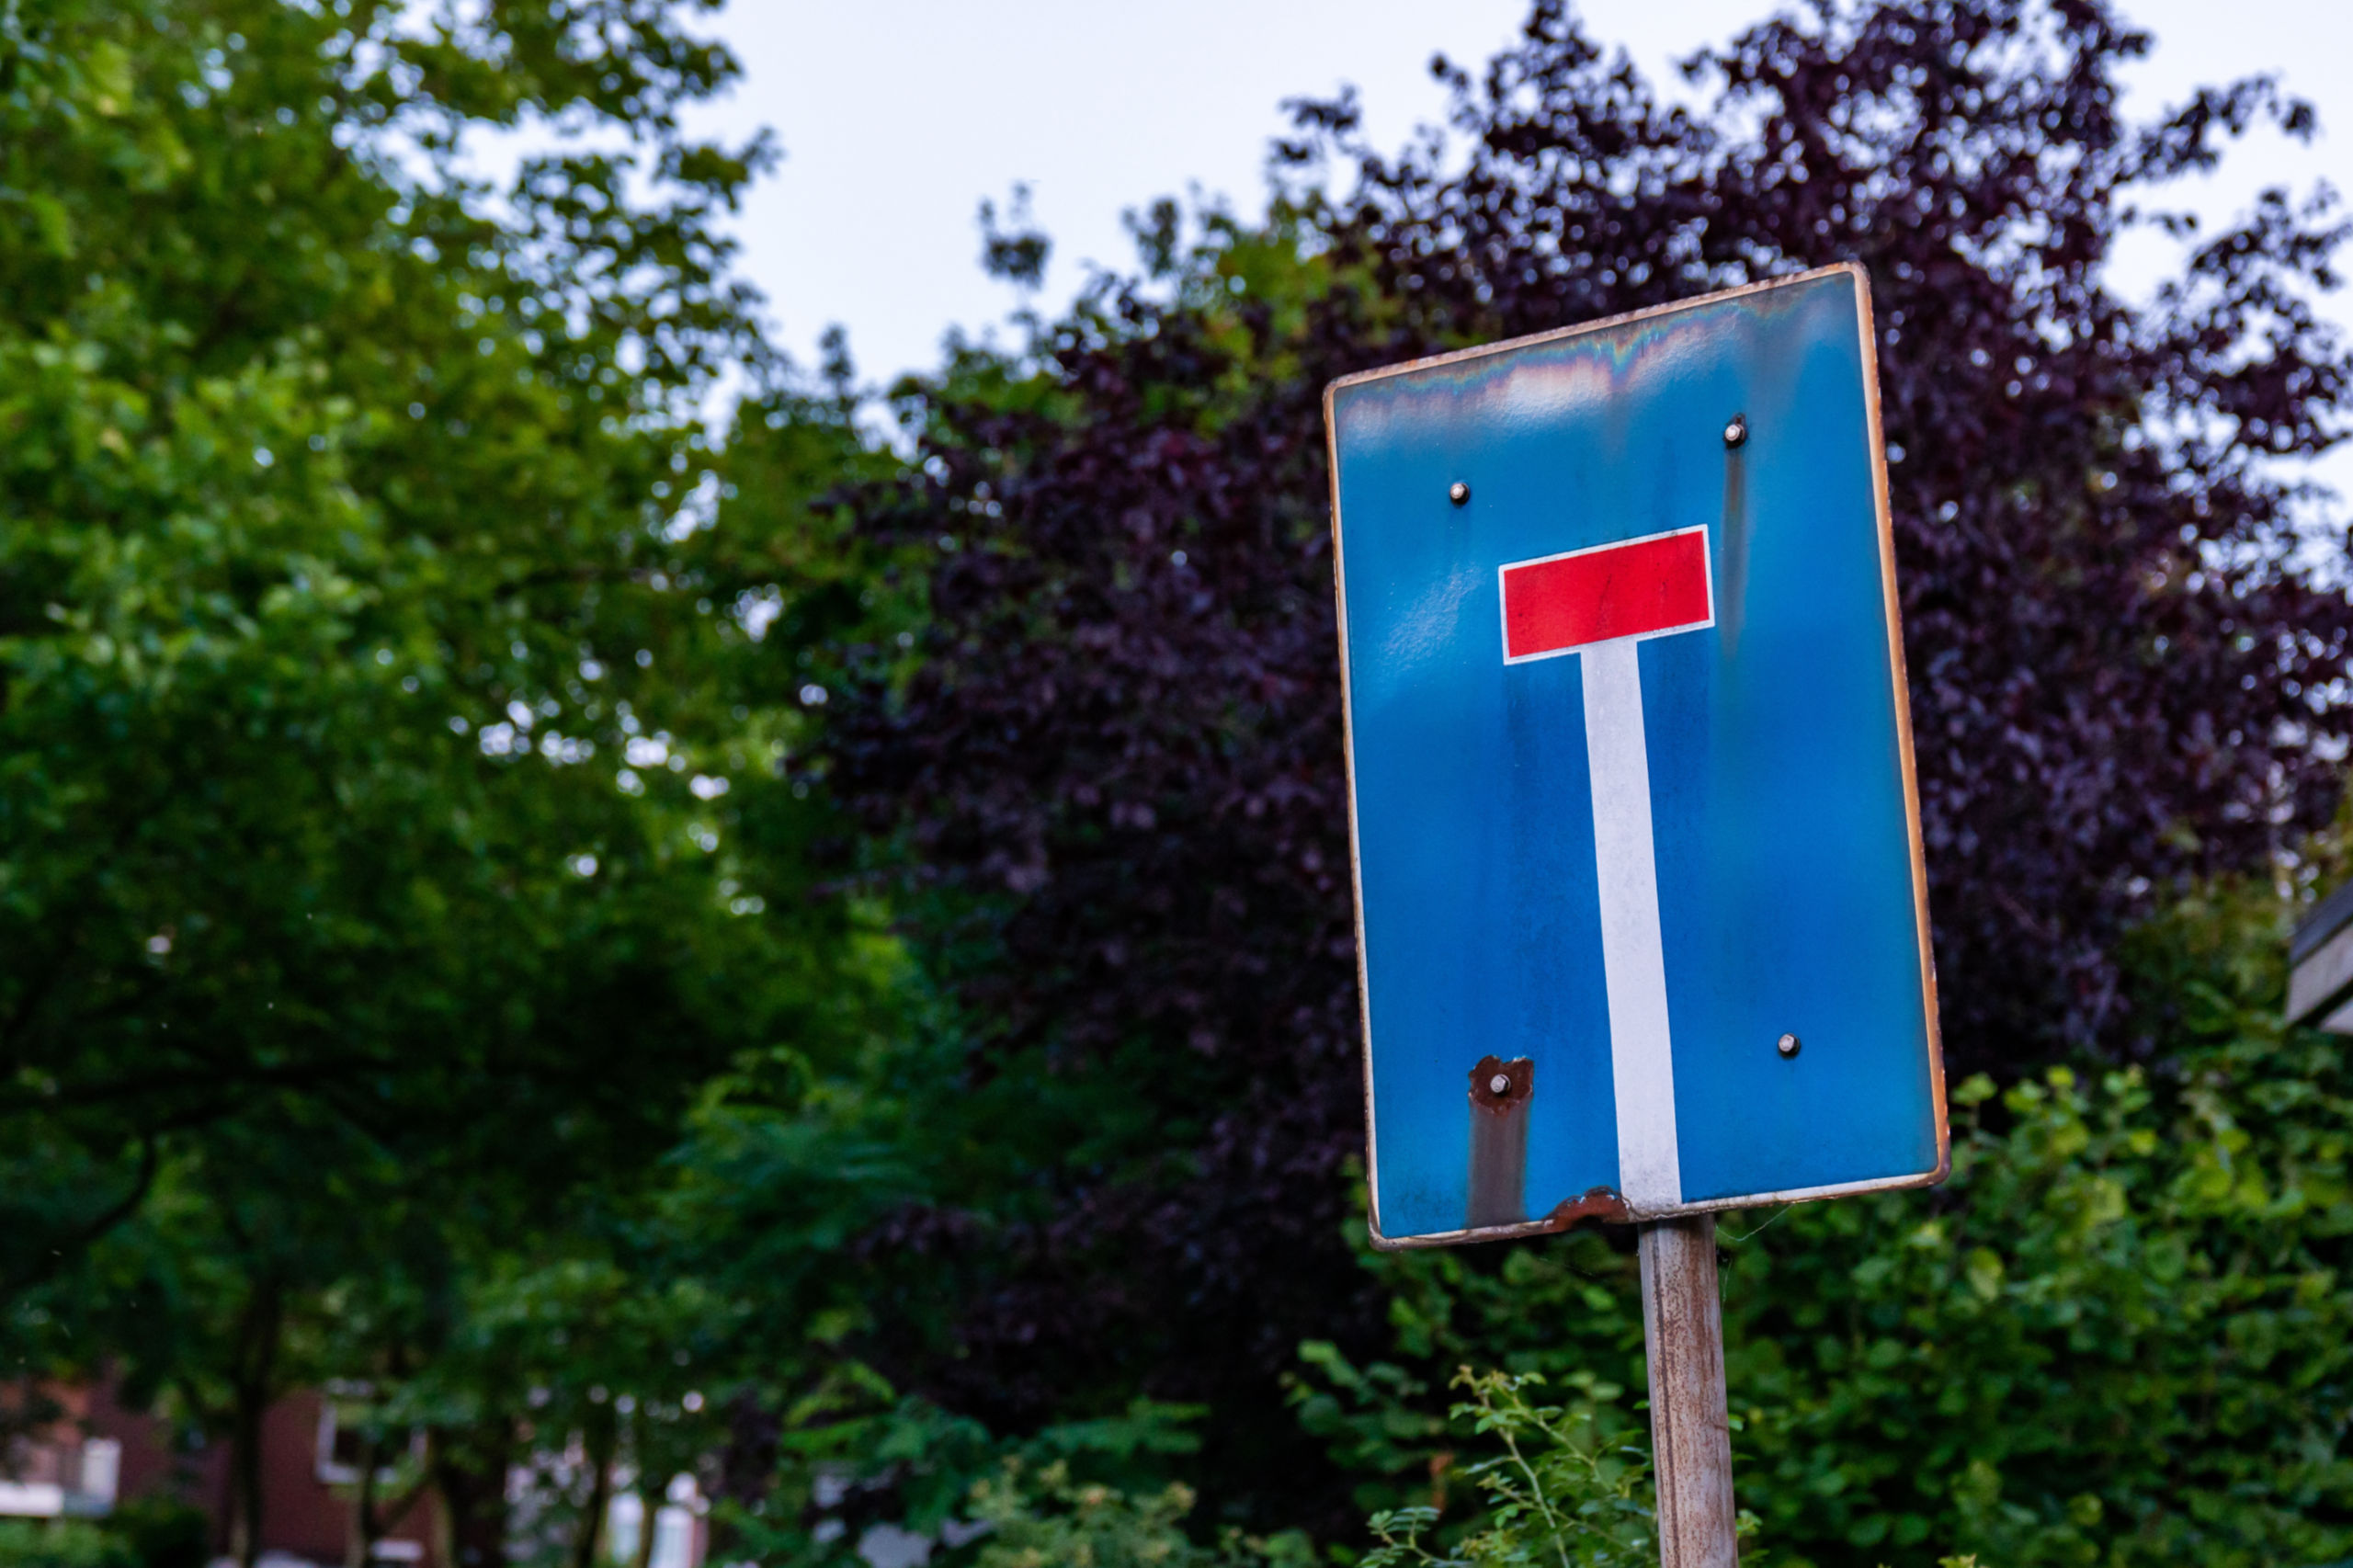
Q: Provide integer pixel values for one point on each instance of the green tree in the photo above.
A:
(322, 491)
(374, 755)
(1115, 783)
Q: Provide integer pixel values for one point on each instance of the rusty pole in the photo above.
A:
(1683, 1323)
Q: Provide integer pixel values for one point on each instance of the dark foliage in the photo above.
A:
(1120, 762)
(1125, 741)
(2112, 663)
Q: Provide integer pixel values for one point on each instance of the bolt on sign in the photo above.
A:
(1642, 920)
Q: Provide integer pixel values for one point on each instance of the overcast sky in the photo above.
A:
(898, 116)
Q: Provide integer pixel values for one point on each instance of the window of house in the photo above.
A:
(343, 1446)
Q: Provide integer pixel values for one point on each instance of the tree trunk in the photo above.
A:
(651, 1488)
(253, 1388)
(360, 1543)
(468, 1465)
(747, 1464)
(654, 1501)
(600, 1434)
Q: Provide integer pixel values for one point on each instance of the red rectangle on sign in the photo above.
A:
(1638, 588)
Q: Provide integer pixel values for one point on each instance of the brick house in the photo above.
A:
(98, 1455)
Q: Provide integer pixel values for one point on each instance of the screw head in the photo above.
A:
(1499, 1084)
(1786, 1045)
(1457, 493)
(1737, 430)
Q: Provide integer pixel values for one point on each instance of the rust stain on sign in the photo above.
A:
(1517, 1078)
(1499, 1095)
(1598, 1203)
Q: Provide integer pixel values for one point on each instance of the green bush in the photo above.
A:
(1041, 1517)
(163, 1532)
(1555, 1494)
(1560, 1491)
(1560, 1488)
(62, 1543)
(2121, 1334)
(145, 1533)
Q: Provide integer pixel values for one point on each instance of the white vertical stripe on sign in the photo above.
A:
(1634, 961)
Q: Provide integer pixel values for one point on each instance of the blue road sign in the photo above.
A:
(1643, 918)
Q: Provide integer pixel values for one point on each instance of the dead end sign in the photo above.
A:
(1636, 835)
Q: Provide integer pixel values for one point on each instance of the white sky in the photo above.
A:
(898, 116)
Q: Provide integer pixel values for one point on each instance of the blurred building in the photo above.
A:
(95, 1456)
(2320, 965)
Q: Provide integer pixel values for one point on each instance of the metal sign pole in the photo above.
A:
(1690, 1437)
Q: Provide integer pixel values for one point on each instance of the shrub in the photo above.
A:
(1560, 1491)
(1041, 1517)
(2122, 1334)
(62, 1543)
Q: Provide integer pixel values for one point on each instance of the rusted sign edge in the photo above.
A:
(1356, 859)
(1599, 1204)
(1603, 1204)
(1903, 695)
